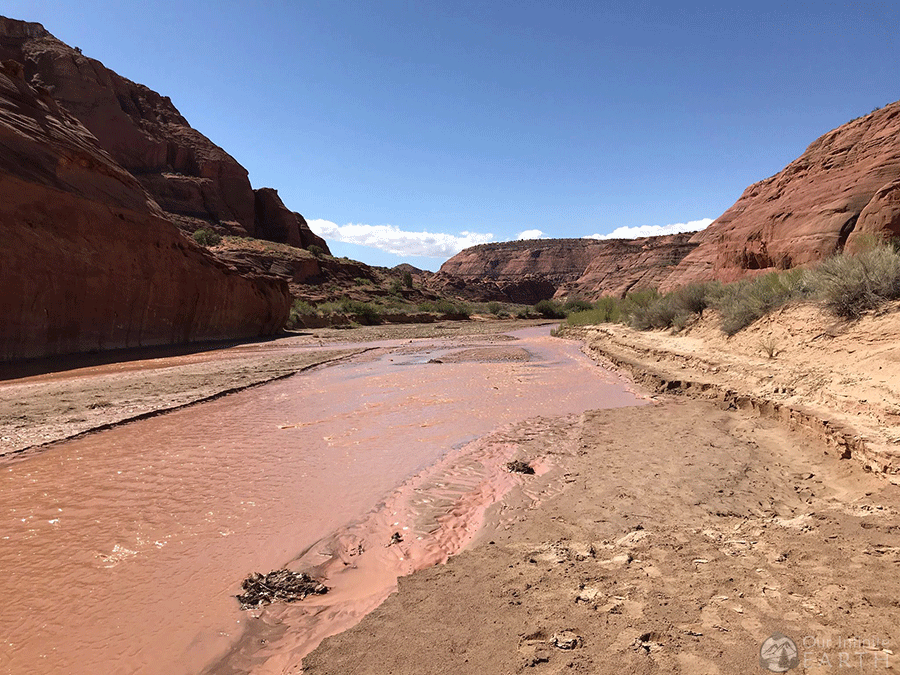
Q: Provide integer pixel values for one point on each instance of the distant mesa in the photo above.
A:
(532, 270)
(843, 190)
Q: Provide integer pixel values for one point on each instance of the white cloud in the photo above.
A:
(392, 239)
(653, 230)
(530, 234)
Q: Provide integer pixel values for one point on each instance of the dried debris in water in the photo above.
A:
(281, 585)
(518, 466)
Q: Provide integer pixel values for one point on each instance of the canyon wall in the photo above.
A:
(532, 270)
(90, 261)
(195, 182)
(843, 191)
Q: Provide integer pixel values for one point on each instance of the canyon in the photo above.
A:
(90, 261)
(842, 193)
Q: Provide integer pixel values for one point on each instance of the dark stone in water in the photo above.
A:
(281, 585)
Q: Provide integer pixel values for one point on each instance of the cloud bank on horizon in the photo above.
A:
(530, 234)
(399, 242)
(653, 230)
(392, 239)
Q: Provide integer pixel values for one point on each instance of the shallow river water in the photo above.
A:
(122, 551)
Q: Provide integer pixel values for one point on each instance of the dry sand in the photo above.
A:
(673, 537)
(677, 537)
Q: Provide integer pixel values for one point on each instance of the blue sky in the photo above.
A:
(422, 127)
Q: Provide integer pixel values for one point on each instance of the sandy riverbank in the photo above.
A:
(673, 537)
(59, 404)
(679, 536)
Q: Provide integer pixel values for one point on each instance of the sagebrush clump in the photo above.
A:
(846, 285)
(206, 237)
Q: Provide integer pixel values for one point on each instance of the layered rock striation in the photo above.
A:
(90, 261)
(195, 182)
(842, 191)
(528, 271)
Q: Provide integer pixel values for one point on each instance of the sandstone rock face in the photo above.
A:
(528, 271)
(275, 223)
(844, 186)
(195, 181)
(89, 260)
(621, 265)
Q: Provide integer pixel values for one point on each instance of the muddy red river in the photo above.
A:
(122, 550)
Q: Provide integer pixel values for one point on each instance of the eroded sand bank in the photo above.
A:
(125, 547)
(687, 532)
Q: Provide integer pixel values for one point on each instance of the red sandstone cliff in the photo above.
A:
(528, 271)
(90, 261)
(846, 185)
(192, 179)
(843, 190)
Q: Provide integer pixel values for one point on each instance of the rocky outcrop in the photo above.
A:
(621, 265)
(528, 271)
(275, 222)
(845, 186)
(192, 179)
(90, 261)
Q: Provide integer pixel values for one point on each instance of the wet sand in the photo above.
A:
(683, 537)
(125, 547)
(670, 537)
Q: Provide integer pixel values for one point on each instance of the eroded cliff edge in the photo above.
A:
(90, 260)
(195, 182)
(843, 191)
(532, 270)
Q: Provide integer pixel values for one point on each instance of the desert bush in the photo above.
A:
(576, 305)
(316, 250)
(300, 309)
(605, 310)
(550, 309)
(408, 279)
(850, 285)
(495, 308)
(695, 298)
(444, 306)
(770, 346)
(364, 312)
(743, 302)
(206, 237)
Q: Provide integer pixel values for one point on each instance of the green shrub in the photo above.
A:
(300, 309)
(694, 298)
(408, 279)
(609, 309)
(850, 285)
(316, 250)
(444, 306)
(743, 302)
(606, 310)
(364, 312)
(206, 237)
(495, 308)
(576, 305)
(550, 309)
